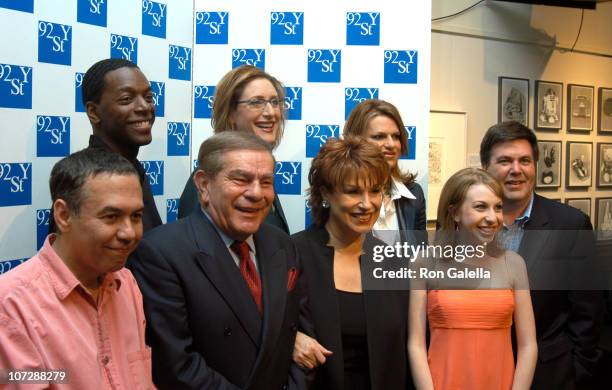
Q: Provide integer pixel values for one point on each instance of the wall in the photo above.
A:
(470, 52)
(52, 42)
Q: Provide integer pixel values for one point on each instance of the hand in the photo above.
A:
(308, 353)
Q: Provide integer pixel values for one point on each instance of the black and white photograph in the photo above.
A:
(603, 218)
(548, 169)
(580, 107)
(604, 165)
(582, 204)
(513, 100)
(579, 162)
(548, 105)
(604, 104)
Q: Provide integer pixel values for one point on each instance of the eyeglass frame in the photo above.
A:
(253, 102)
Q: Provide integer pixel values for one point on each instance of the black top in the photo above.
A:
(150, 215)
(354, 340)
(189, 201)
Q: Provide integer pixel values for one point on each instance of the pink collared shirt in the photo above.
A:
(48, 320)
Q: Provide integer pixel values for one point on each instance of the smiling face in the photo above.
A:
(125, 114)
(107, 226)
(263, 122)
(513, 166)
(354, 207)
(384, 133)
(239, 197)
(480, 216)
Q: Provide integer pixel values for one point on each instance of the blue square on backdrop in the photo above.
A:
(92, 12)
(154, 170)
(122, 46)
(411, 136)
(203, 98)
(159, 97)
(154, 18)
(15, 184)
(42, 226)
(288, 177)
(254, 57)
(286, 28)
(307, 215)
(18, 5)
(363, 28)
(54, 43)
(52, 136)
(7, 265)
(354, 96)
(15, 86)
(324, 65)
(172, 206)
(196, 164)
(401, 66)
(293, 103)
(79, 106)
(211, 27)
(179, 62)
(317, 135)
(178, 138)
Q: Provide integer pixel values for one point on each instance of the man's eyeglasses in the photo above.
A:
(260, 104)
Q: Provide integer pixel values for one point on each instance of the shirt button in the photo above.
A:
(105, 360)
(227, 331)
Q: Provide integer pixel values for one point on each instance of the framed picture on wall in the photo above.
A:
(578, 172)
(548, 169)
(603, 218)
(513, 100)
(580, 107)
(604, 165)
(548, 112)
(582, 204)
(604, 110)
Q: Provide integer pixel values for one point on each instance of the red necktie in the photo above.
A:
(248, 271)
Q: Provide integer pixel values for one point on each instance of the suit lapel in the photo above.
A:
(535, 235)
(273, 266)
(216, 262)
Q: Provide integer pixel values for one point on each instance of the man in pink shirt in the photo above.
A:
(72, 314)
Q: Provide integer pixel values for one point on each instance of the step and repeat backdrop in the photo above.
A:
(329, 55)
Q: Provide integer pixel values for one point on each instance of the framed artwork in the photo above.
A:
(604, 110)
(548, 169)
(604, 165)
(578, 172)
(582, 204)
(603, 218)
(548, 105)
(580, 107)
(513, 100)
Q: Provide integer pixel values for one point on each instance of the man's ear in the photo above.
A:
(201, 181)
(62, 215)
(91, 108)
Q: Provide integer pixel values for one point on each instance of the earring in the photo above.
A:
(325, 204)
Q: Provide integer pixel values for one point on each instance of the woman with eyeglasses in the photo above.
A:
(403, 207)
(246, 99)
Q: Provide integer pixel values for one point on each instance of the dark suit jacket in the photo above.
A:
(386, 315)
(411, 212)
(202, 323)
(189, 201)
(567, 322)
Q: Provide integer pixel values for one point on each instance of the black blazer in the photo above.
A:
(411, 212)
(202, 323)
(567, 322)
(189, 201)
(386, 315)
